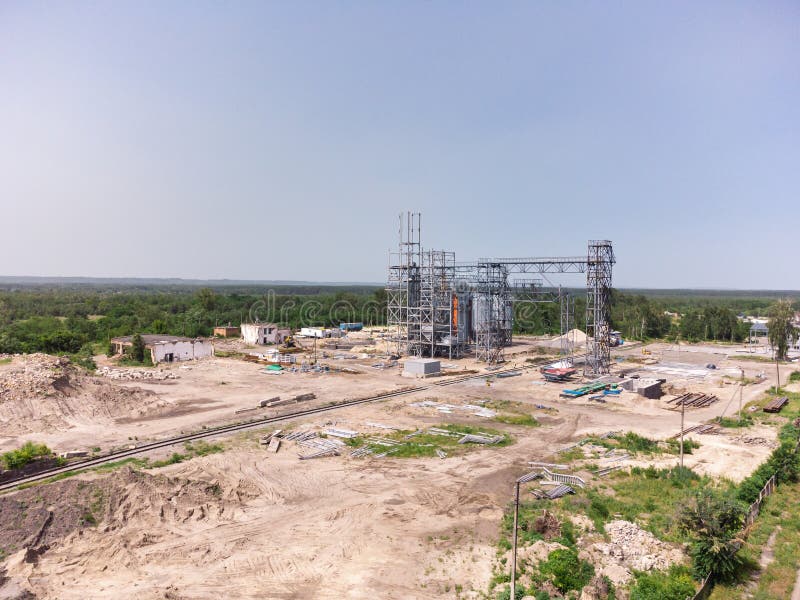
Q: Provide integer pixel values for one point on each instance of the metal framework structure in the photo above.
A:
(437, 307)
(600, 261)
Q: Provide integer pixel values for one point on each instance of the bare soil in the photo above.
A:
(252, 524)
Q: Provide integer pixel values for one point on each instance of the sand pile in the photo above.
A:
(39, 392)
(576, 335)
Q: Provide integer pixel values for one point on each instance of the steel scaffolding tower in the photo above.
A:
(431, 300)
(600, 261)
(402, 290)
(492, 301)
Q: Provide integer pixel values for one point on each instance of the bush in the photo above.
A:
(634, 442)
(795, 376)
(714, 521)
(568, 572)
(676, 584)
(16, 459)
(783, 461)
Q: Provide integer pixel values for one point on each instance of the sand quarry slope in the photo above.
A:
(237, 525)
(39, 392)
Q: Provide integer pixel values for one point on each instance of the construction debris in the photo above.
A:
(478, 411)
(552, 466)
(441, 453)
(563, 478)
(320, 446)
(557, 492)
(341, 433)
(269, 402)
(480, 439)
(693, 400)
(605, 471)
(382, 426)
(508, 374)
(135, 374)
(274, 445)
(776, 405)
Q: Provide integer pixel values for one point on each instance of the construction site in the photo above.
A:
(384, 463)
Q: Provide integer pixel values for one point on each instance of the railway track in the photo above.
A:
(225, 429)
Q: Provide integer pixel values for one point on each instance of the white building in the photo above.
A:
(263, 333)
(168, 348)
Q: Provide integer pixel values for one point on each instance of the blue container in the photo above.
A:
(351, 326)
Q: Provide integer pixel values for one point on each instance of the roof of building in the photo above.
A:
(148, 339)
(759, 327)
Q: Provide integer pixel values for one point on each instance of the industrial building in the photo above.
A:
(168, 348)
(439, 307)
(262, 334)
(226, 331)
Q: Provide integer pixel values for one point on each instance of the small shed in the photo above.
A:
(263, 333)
(421, 367)
(226, 331)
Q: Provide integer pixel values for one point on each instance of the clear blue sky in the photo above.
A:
(280, 140)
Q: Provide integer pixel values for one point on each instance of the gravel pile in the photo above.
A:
(631, 548)
(135, 374)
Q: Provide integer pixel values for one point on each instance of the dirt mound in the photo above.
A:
(39, 392)
(139, 507)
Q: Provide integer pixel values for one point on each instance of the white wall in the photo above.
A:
(188, 350)
(258, 333)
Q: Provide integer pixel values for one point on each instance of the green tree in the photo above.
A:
(137, 348)
(713, 521)
(782, 333)
(207, 298)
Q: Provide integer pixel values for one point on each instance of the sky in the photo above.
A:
(281, 140)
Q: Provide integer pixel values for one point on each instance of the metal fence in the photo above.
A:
(752, 513)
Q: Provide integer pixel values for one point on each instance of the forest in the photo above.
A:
(79, 320)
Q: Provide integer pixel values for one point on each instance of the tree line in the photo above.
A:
(81, 321)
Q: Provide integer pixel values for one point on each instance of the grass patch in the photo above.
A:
(647, 496)
(777, 580)
(526, 420)
(735, 422)
(426, 444)
(793, 378)
(5, 361)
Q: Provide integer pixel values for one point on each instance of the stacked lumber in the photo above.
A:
(776, 405)
(702, 428)
(693, 400)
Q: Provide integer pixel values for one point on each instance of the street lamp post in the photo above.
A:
(524, 479)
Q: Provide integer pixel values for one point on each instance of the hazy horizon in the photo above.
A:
(273, 141)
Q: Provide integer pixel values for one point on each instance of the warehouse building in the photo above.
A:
(168, 348)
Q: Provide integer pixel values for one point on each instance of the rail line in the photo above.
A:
(224, 429)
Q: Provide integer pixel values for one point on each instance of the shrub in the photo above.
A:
(675, 584)
(568, 572)
(636, 443)
(28, 452)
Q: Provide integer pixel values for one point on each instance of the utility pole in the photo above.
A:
(514, 550)
(740, 402)
(524, 479)
(683, 412)
(778, 371)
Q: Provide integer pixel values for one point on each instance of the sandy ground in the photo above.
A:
(354, 527)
